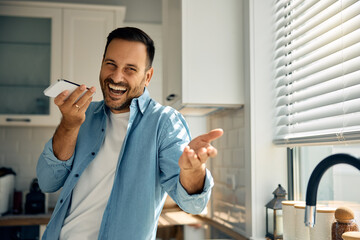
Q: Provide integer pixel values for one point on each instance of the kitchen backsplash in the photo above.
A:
(228, 169)
(20, 148)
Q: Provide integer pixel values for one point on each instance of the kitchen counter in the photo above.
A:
(171, 222)
(24, 219)
(168, 217)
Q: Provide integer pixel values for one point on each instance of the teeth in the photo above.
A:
(117, 88)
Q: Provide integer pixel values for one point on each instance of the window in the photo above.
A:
(317, 82)
(317, 72)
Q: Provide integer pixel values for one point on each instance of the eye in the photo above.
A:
(110, 63)
(132, 69)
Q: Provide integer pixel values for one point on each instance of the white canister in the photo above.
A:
(324, 220)
(301, 231)
(288, 219)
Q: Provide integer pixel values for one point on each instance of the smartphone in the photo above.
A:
(61, 85)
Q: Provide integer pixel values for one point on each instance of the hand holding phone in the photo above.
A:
(61, 85)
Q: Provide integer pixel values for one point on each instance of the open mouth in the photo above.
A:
(116, 89)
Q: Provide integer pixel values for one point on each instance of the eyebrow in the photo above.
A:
(109, 60)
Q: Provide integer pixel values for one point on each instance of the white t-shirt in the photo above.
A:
(93, 189)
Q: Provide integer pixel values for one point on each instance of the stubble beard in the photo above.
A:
(110, 102)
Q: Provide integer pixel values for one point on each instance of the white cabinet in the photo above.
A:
(203, 54)
(30, 59)
(76, 42)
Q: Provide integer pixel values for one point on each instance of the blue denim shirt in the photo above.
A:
(147, 169)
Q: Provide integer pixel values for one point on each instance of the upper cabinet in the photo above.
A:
(30, 58)
(203, 54)
(42, 42)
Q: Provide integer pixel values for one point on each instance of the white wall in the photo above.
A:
(20, 148)
(268, 162)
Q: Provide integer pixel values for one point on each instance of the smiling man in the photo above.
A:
(116, 160)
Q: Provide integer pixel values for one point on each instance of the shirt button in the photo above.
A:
(93, 153)
(102, 130)
(61, 201)
(76, 175)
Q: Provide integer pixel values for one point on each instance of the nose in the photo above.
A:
(117, 75)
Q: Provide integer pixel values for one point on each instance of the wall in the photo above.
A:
(268, 162)
(20, 148)
(148, 11)
(228, 201)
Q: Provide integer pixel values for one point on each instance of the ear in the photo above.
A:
(148, 76)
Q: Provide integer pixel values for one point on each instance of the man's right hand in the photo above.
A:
(72, 107)
(73, 110)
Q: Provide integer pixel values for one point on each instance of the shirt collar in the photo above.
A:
(141, 102)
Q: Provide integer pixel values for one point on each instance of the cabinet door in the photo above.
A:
(172, 46)
(212, 52)
(203, 53)
(85, 33)
(30, 53)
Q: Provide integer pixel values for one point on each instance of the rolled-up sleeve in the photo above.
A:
(174, 138)
(195, 203)
(52, 172)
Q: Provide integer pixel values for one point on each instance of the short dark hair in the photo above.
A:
(135, 35)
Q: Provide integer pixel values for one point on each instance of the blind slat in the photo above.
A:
(308, 88)
(346, 107)
(306, 67)
(330, 73)
(328, 19)
(341, 95)
(340, 122)
(321, 19)
(323, 46)
(337, 22)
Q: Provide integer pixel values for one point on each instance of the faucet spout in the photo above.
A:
(313, 184)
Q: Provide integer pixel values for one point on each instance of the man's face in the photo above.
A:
(124, 74)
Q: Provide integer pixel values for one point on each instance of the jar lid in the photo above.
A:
(344, 214)
(289, 203)
(300, 205)
(351, 236)
(324, 209)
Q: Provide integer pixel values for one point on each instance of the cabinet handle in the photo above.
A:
(171, 97)
(18, 120)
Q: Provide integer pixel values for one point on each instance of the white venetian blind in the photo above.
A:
(317, 78)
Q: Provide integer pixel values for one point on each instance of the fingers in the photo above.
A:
(189, 159)
(212, 135)
(204, 153)
(85, 98)
(201, 156)
(84, 107)
(60, 99)
(77, 97)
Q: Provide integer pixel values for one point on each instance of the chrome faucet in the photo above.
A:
(313, 184)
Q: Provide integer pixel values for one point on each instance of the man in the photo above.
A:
(116, 159)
